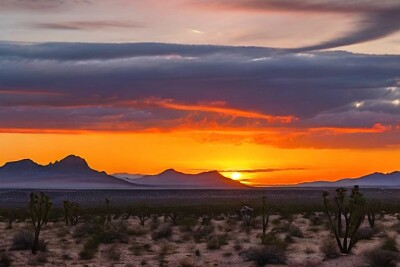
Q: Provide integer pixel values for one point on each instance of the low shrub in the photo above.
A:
(237, 245)
(330, 249)
(272, 239)
(113, 253)
(365, 233)
(216, 241)
(23, 240)
(390, 244)
(187, 224)
(263, 255)
(201, 233)
(164, 231)
(381, 258)
(5, 260)
(186, 262)
(295, 231)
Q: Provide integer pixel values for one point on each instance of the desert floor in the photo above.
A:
(136, 245)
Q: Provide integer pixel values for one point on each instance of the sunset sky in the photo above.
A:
(279, 91)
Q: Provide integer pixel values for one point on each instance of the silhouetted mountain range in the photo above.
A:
(70, 172)
(73, 172)
(172, 179)
(371, 180)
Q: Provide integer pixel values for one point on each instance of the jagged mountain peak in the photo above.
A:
(71, 162)
(20, 165)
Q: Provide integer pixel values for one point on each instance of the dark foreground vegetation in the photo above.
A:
(342, 227)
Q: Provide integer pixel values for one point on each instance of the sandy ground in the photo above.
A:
(180, 249)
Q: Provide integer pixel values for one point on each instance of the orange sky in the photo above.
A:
(284, 90)
(154, 152)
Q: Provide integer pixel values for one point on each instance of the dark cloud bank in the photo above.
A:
(138, 86)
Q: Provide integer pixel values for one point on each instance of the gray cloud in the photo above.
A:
(153, 85)
(38, 5)
(86, 25)
(378, 19)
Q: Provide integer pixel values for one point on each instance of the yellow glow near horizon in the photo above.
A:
(151, 153)
(236, 175)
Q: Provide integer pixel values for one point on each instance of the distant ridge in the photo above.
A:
(171, 179)
(71, 172)
(371, 180)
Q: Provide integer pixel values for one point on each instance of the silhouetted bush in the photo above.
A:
(5, 260)
(330, 249)
(164, 231)
(390, 244)
(113, 253)
(381, 258)
(216, 241)
(295, 231)
(23, 240)
(201, 233)
(365, 233)
(263, 255)
(272, 239)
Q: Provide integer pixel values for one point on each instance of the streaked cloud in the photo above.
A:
(376, 19)
(86, 25)
(212, 93)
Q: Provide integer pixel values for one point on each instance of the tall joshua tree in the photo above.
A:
(39, 206)
(266, 212)
(353, 212)
(72, 212)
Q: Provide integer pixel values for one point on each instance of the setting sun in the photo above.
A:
(236, 175)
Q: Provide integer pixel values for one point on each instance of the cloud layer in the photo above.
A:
(227, 94)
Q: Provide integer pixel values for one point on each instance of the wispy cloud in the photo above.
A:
(86, 25)
(209, 93)
(376, 19)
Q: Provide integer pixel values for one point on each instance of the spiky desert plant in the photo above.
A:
(266, 212)
(373, 207)
(143, 214)
(73, 212)
(247, 214)
(39, 206)
(108, 215)
(353, 212)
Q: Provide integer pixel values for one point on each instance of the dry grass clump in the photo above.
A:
(263, 255)
(330, 249)
(295, 231)
(5, 260)
(23, 240)
(164, 231)
(186, 262)
(381, 258)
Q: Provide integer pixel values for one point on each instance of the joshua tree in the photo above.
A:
(372, 209)
(143, 214)
(266, 212)
(353, 213)
(247, 215)
(39, 206)
(108, 216)
(73, 212)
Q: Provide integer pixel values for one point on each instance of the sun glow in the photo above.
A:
(236, 175)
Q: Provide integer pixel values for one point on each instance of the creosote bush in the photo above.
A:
(263, 255)
(23, 240)
(164, 231)
(381, 258)
(295, 231)
(201, 233)
(390, 244)
(330, 249)
(5, 260)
